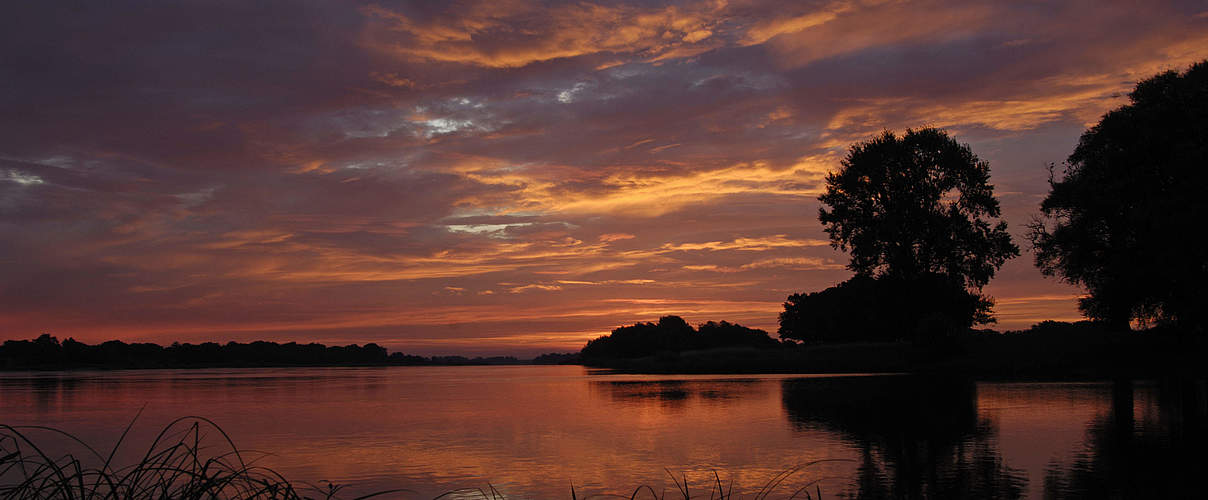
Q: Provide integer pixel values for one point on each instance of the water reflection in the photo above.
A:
(916, 438)
(676, 394)
(532, 431)
(1150, 445)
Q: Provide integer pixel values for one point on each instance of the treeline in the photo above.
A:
(1049, 349)
(673, 335)
(46, 352)
(558, 358)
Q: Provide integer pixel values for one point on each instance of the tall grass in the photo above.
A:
(719, 491)
(180, 464)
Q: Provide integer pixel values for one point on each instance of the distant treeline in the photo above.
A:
(46, 352)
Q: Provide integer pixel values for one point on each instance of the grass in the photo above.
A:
(179, 464)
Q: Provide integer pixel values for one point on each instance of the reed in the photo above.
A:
(180, 464)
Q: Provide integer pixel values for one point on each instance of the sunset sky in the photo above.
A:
(506, 177)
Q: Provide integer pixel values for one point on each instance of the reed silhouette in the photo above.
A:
(183, 464)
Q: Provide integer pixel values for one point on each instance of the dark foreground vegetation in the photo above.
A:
(171, 468)
(47, 353)
(182, 464)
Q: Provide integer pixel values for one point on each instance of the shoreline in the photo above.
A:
(1063, 353)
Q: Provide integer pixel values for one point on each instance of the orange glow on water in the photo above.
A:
(534, 431)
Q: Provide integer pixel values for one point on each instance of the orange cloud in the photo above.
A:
(637, 193)
(488, 33)
(745, 244)
(610, 237)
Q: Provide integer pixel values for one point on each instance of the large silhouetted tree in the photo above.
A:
(919, 209)
(1126, 220)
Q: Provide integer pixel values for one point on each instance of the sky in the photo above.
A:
(506, 176)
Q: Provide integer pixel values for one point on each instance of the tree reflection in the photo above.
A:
(1159, 455)
(917, 438)
(673, 394)
(50, 392)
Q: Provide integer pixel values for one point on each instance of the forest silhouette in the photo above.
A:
(46, 352)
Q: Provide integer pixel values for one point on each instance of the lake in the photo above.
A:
(534, 431)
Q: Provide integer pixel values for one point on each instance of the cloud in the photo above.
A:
(745, 244)
(610, 237)
(514, 34)
(534, 287)
(391, 171)
(787, 263)
(21, 178)
(765, 30)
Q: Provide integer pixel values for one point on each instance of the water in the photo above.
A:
(533, 431)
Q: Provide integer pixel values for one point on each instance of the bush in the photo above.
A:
(867, 309)
(673, 335)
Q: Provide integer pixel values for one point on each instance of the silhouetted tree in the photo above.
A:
(919, 208)
(672, 335)
(1126, 219)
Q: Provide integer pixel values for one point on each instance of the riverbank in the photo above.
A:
(47, 353)
(1065, 355)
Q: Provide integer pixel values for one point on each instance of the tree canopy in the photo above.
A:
(1126, 219)
(915, 205)
(918, 215)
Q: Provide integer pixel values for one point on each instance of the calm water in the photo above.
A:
(532, 432)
